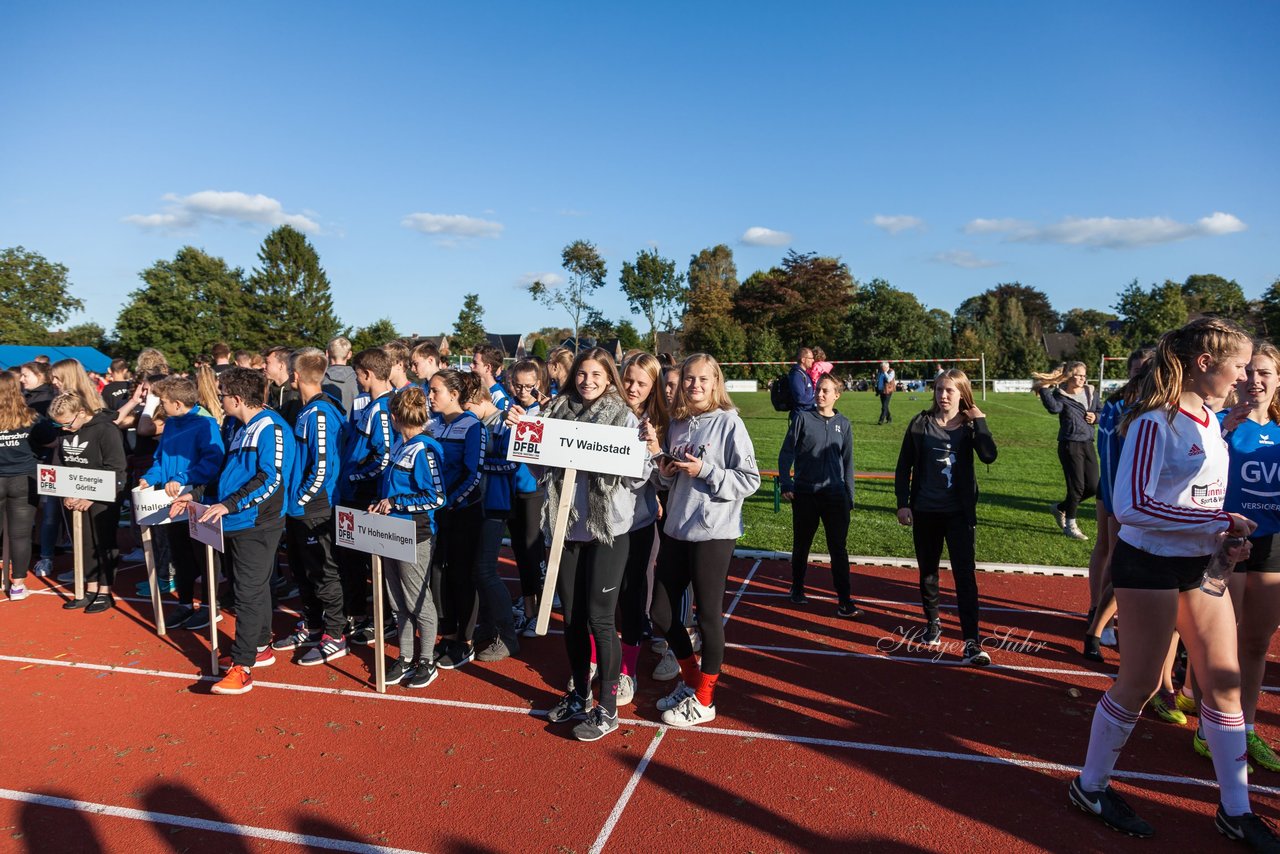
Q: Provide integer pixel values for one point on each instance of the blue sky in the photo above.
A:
(431, 150)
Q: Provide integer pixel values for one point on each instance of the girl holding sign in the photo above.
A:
(527, 381)
(92, 441)
(710, 470)
(596, 545)
(412, 488)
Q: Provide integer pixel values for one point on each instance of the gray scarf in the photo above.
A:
(609, 409)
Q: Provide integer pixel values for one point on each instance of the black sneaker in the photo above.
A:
(180, 615)
(1093, 648)
(300, 637)
(798, 597)
(849, 609)
(402, 668)
(361, 633)
(975, 655)
(596, 726)
(199, 620)
(327, 650)
(82, 602)
(932, 634)
(423, 675)
(456, 654)
(100, 603)
(1251, 829)
(570, 707)
(1114, 811)
(390, 630)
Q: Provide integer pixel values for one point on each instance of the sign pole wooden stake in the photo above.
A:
(149, 558)
(379, 625)
(558, 531)
(77, 551)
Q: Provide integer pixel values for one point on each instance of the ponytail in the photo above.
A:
(1177, 349)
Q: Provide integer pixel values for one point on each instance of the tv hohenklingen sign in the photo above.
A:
(69, 482)
(575, 445)
(375, 534)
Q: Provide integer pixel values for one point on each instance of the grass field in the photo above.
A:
(1015, 493)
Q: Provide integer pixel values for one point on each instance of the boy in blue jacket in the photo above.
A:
(252, 493)
(309, 526)
(188, 459)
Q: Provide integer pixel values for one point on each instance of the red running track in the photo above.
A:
(831, 736)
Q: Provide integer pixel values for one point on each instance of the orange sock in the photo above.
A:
(706, 688)
(690, 673)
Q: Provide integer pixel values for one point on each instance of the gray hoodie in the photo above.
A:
(340, 384)
(709, 506)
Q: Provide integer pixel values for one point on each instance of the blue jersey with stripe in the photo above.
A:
(317, 464)
(254, 484)
(1253, 485)
(464, 441)
(414, 482)
(1110, 444)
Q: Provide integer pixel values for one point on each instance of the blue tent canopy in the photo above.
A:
(12, 355)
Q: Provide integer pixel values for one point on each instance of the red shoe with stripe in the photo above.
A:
(237, 681)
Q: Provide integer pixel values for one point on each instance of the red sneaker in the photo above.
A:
(237, 681)
(265, 658)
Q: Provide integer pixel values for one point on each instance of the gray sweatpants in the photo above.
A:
(409, 585)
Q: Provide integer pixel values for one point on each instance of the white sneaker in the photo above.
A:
(1108, 637)
(626, 689)
(17, 593)
(676, 697)
(689, 713)
(659, 645)
(668, 667)
(695, 638)
(1072, 530)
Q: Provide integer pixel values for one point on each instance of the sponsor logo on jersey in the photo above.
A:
(1196, 451)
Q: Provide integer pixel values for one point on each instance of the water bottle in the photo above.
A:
(1220, 567)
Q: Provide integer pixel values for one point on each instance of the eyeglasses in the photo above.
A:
(520, 387)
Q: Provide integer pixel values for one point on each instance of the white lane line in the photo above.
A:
(736, 733)
(743, 589)
(242, 830)
(627, 792)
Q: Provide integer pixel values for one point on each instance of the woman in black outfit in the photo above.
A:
(21, 432)
(1067, 394)
(938, 497)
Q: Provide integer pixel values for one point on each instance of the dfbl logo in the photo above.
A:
(528, 441)
(346, 527)
(48, 477)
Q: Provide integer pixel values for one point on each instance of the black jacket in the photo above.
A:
(910, 470)
(96, 445)
(821, 449)
(1071, 424)
(286, 401)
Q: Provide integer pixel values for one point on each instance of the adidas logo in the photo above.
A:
(1196, 451)
(73, 446)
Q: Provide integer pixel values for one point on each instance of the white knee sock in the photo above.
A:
(1110, 730)
(1225, 735)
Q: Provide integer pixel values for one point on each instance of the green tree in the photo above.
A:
(1149, 313)
(628, 336)
(183, 304)
(1206, 293)
(468, 330)
(1079, 321)
(654, 289)
(290, 293)
(1093, 344)
(374, 335)
(804, 301)
(34, 295)
(540, 349)
(1269, 310)
(986, 308)
(88, 334)
(764, 345)
(884, 322)
(712, 281)
(587, 272)
(721, 337)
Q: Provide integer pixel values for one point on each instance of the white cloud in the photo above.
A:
(760, 236)
(1110, 232)
(963, 258)
(190, 211)
(551, 280)
(452, 225)
(897, 223)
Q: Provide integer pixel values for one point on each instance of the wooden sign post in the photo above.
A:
(209, 533)
(573, 446)
(378, 536)
(151, 507)
(69, 482)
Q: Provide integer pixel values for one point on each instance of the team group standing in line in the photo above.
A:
(272, 450)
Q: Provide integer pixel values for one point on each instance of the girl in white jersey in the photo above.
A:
(1169, 495)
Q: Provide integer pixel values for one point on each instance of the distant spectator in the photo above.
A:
(204, 360)
(798, 382)
(886, 385)
(819, 367)
(340, 379)
(244, 359)
(221, 354)
(42, 359)
(119, 385)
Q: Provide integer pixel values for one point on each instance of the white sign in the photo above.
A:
(375, 534)
(575, 445)
(151, 507)
(209, 533)
(68, 482)
(739, 386)
(1011, 385)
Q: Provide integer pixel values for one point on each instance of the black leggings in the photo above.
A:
(589, 581)
(18, 509)
(459, 537)
(807, 510)
(634, 602)
(929, 530)
(98, 542)
(706, 564)
(1080, 466)
(527, 542)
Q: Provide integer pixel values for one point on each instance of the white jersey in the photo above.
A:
(1171, 483)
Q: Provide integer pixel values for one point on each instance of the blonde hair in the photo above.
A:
(717, 399)
(1269, 350)
(207, 390)
(1054, 377)
(14, 412)
(71, 376)
(67, 403)
(151, 362)
(655, 407)
(961, 379)
(1161, 388)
